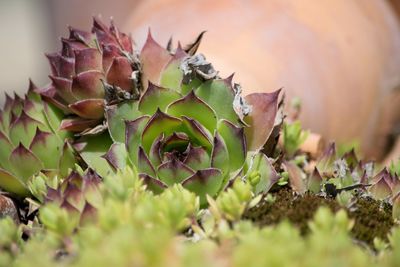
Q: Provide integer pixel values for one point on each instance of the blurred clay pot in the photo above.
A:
(342, 58)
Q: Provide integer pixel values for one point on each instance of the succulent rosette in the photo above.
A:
(31, 142)
(79, 194)
(91, 70)
(189, 126)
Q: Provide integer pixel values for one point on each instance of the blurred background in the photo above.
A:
(341, 57)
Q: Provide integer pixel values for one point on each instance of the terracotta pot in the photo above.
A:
(342, 58)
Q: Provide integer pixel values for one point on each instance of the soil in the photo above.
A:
(372, 218)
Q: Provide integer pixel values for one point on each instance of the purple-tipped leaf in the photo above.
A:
(197, 158)
(153, 58)
(154, 185)
(159, 123)
(117, 115)
(204, 182)
(88, 85)
(120, 73)
(133, 139)
(264, 108)
(173, 171)
(88, 108)
(156, 97)
(295, 177)
(314, 181)
(235, 141)
(268, 176)
(193, 107)
(47, 147)
(25, 163)
(117, 156)
(144, 165)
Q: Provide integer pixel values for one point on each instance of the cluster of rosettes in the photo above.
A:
(164, 111)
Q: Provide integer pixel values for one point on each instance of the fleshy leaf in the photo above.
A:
(159, 123)
(220, 154)
(193, 107)
(78, 124)
(25, 163)
(154, 185)
(88, 59)
(262, 166)
(197, 133)
(92, 149)
(88, 108)
(235, 141)
(155, 98)
(314, 181)
(172, 75)
(120, 73)
(173, 171)
(153, 58)
(23, 129)
(12, 184)
(177, 141)
(264, 107)
(46, 146)
(5, 150)
(117, 156)
(155, 151)
(325, 163)
(134, 130)
(67, 159)
(116, 117)
(381, 185)
(197, 158)
(88, 85)
(295, 177)
(144, 165)
(204, 182)
(219, 95)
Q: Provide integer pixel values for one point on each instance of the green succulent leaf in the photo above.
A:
(260, 165)
(197, 158)
(67, 160)
(92, 149)
(42, 144)
(24, 162)
(172, 75)
(155, 98)
(204, 182)
(117, 115)
(219, 95)
(144, 164)
(24, 129)
(159, 123)
(154, 185)
(193, 107)
(12, 184)
(235, 141)
(134, 130)
(117, 156)
(173, 171)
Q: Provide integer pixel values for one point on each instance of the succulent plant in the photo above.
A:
(91, 70)
(189, 126)
(79, 194)
(31, 142)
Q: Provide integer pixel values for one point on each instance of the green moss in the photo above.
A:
(371, 220)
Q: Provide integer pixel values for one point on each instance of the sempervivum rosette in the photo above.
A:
(92, 69)
(31, 142)
(189, 126)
